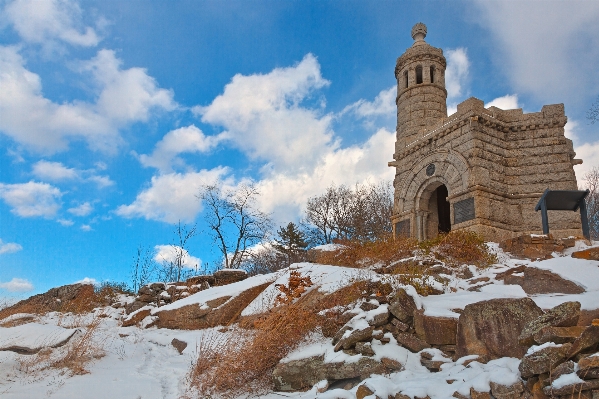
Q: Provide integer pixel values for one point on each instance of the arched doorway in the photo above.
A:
(443, 210)
(435, 211)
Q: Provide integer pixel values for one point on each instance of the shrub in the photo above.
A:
(459, 247)
(383, 251)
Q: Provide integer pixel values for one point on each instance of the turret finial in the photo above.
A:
(419, 32)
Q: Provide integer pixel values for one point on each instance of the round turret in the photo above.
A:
(421, 94)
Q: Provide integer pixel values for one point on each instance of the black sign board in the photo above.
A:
(564, 200)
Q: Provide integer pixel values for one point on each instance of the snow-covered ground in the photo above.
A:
(141, 363)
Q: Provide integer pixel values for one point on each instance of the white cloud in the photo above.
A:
(548, 51)
(263, 117)
(53, 171)
(187, 139)
(124, 96)
(456, 72)
(65, 222)
(17, 285)
(56, 171)
(31, 199)
(285, 194)
(509, 101)
(9, 247)
(86, 227)
(87, 280)
(171, 197)
(168, 254)
(45, 21)
(127, 94)
(383, 104)
(82, 210)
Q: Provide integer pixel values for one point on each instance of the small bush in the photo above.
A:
(383, 251)
(460, 247)
(294, 289)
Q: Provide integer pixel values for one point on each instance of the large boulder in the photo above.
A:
(304, 373)
(219, 311)
(68, 298)
(435, 330)
(543, 360)
(491, 328)
(563, 315)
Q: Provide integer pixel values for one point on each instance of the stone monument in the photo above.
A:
(482, 169)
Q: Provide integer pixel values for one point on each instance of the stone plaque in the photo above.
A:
(402, 228)
(463, 210)
(430, 169)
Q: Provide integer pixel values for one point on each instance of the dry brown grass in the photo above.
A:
(460, 247)
(242, 360)
(384, 251)
(74, 356)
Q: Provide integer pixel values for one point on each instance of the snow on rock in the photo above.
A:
(326, 279)
(230, 290)
(328, 247)
(30, 338)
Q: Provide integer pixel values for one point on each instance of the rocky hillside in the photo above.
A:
(421, 327)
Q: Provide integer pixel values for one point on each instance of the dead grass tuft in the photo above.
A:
(242, 361)
(460, 247)
(383, 251)
(74, 356)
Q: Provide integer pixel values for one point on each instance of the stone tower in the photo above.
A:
(482, 169)
(421, 94)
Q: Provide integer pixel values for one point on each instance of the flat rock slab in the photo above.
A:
(31, 338)
(543, 360)
(304, 373)
(563, 315)
(435, 330)
(538, 281)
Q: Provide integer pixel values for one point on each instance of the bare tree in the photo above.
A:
(592, 201)
(361, 213)
(235, 222)
(593, 112)
(143, 268)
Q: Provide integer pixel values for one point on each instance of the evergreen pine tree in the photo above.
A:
(291, 241)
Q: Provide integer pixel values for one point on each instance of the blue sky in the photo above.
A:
(113, 114)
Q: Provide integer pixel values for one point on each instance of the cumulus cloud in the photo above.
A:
(456, 72)
(263, 116)
(31, 199)
(9, 247)
(44, 22)
(56, 171)
(17, 285)
(187, 139)
(53, 171)
(65, 222)
(86, 227)
(383, 104)
(124, 96)
(509, 101)
(549, 52)
(82, 210)
(87, 280)
(285, 194)
(171, 197)
(168, 254)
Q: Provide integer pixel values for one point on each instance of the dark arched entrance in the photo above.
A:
(443, 209)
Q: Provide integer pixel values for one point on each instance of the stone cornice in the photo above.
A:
(481, 118)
